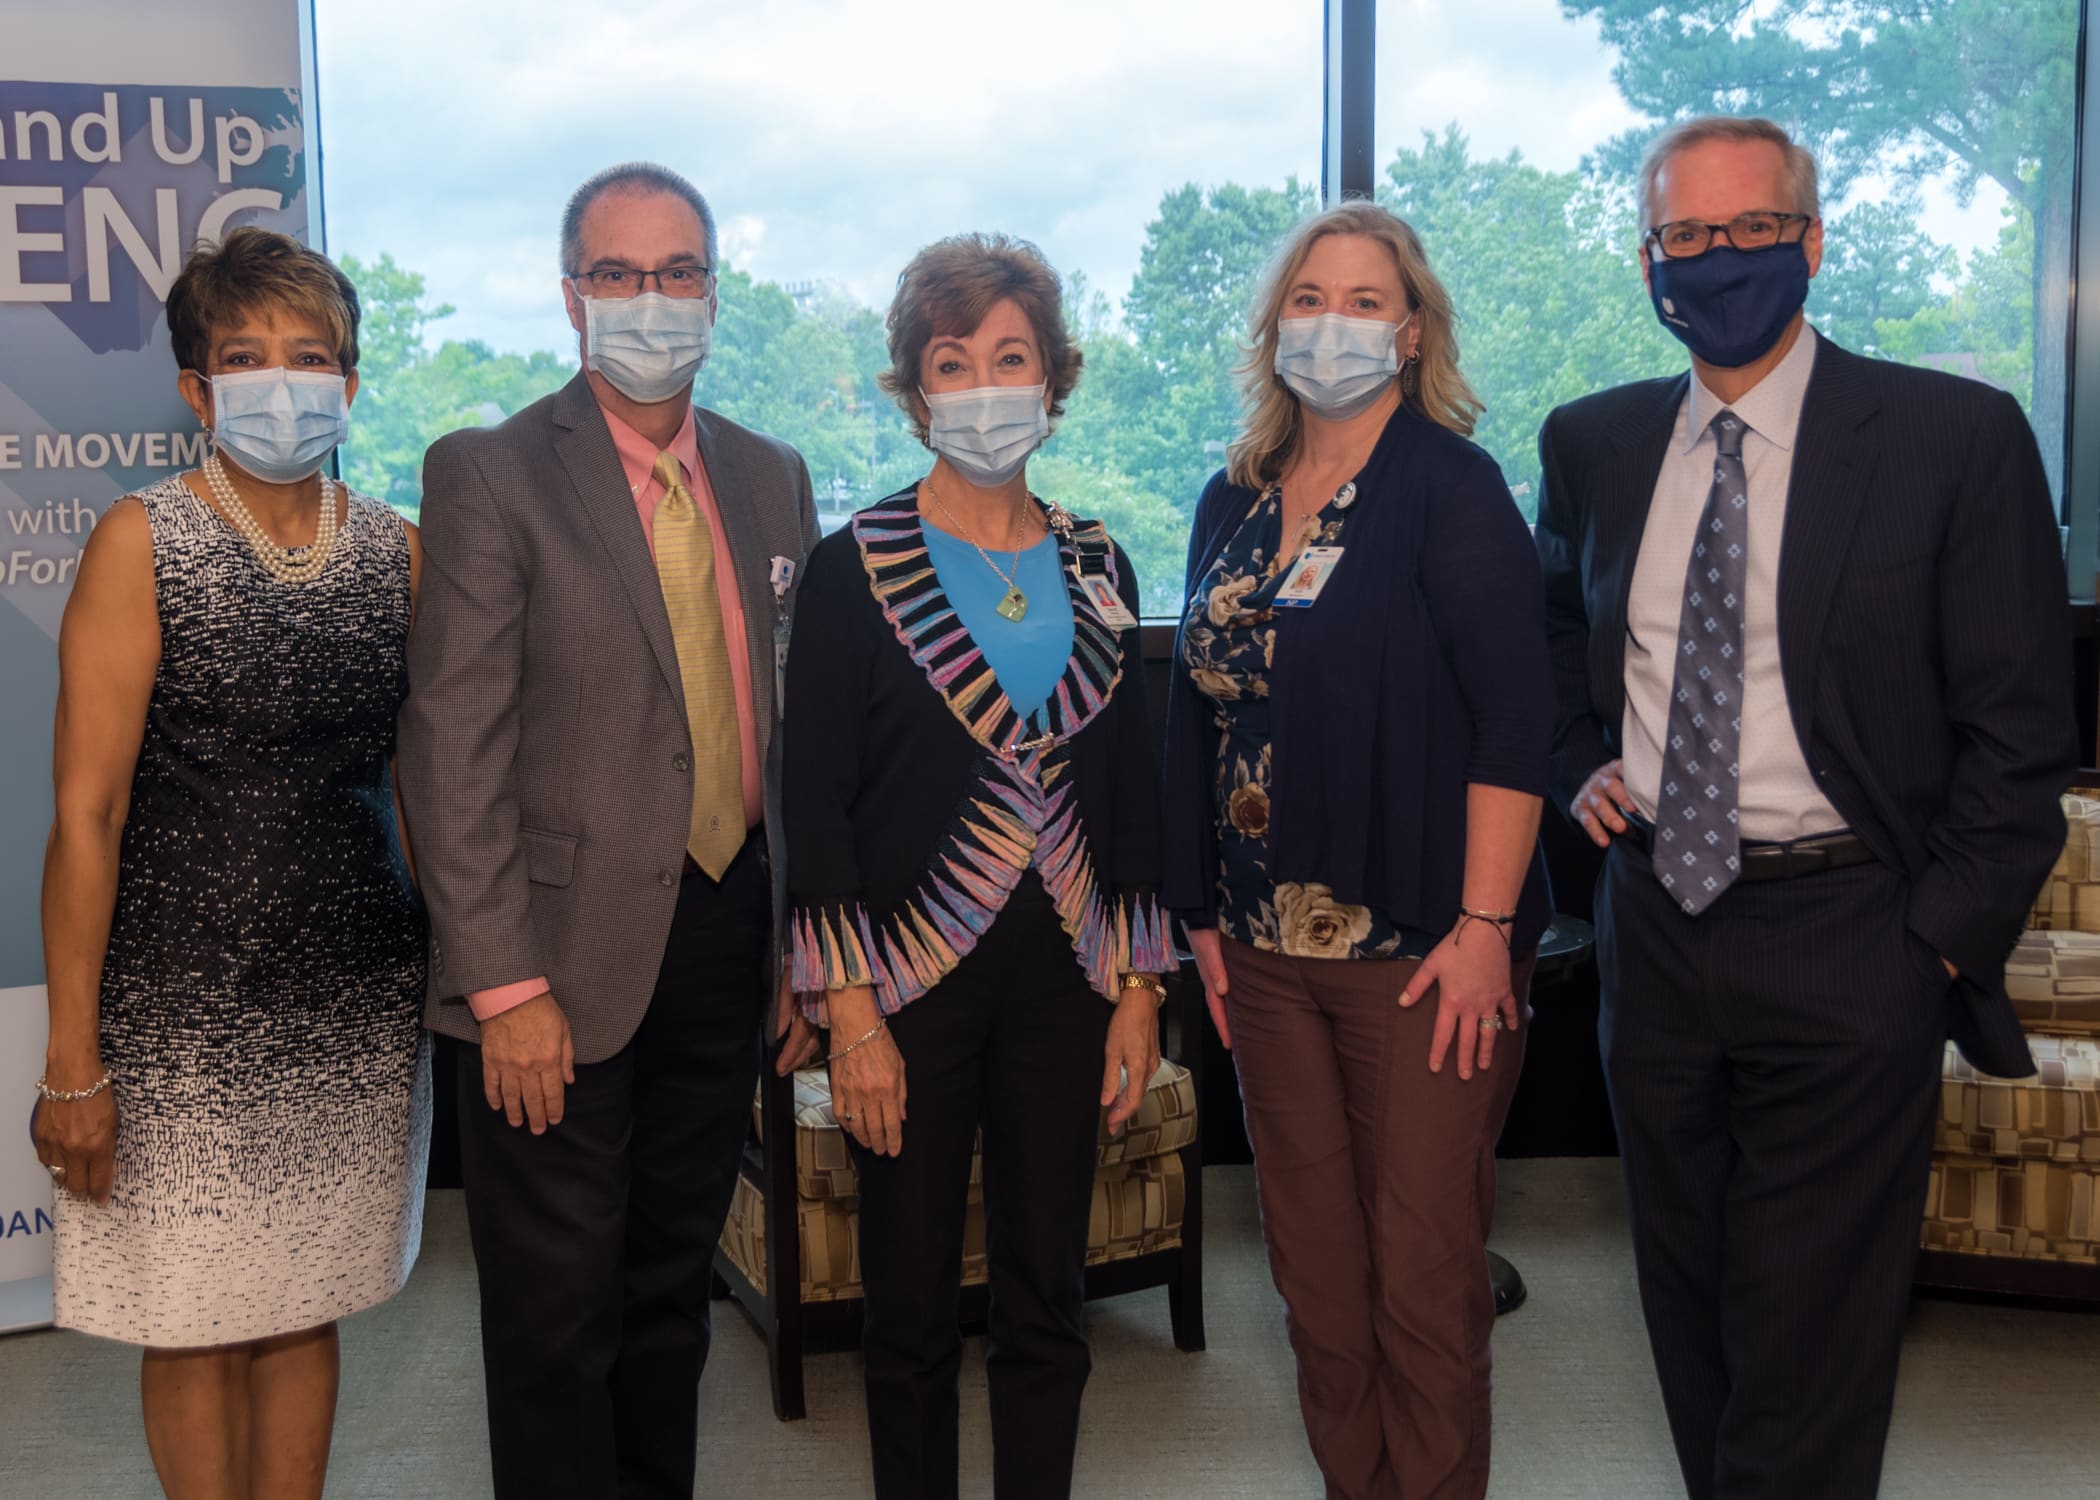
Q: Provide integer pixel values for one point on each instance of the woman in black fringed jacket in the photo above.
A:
(973, 846)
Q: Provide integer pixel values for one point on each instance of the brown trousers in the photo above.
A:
(1376, 1180)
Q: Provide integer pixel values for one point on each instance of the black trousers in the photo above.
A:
(595, 1242)
(1774, 1072)
(1010, 1042)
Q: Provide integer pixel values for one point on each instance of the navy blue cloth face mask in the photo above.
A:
(1729, 306)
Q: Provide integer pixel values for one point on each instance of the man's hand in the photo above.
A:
(1602, 806)
(526, 1061)
(797, 1037)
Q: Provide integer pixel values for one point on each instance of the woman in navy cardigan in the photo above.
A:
(1357, 736)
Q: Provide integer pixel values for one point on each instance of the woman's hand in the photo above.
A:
(1470, 973)
(1133, 1056)
(1210, 963)
(867, 1082)
(78, 1136)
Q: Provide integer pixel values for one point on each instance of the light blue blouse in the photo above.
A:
(1029, 656)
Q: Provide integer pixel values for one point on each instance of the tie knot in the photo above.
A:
(669, 473)
(1728, 434)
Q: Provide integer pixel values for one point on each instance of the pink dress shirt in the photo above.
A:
(638, 458)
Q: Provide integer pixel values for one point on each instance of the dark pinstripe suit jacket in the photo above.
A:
(1921, 634)
(542, 742)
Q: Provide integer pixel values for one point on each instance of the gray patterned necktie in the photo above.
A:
(1697, 847)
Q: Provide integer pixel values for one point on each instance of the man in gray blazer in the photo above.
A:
(590, 769)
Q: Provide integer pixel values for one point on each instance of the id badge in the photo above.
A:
(1308, 575)
(1108, 604)
(780, 661)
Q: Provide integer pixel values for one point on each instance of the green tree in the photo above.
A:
(1969, 90)
(410, 395)
(1548, 298)
(1878, 267)
(1982, 329)
(1158, 402)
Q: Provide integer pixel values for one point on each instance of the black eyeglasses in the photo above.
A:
(1682, 238)
(626, 281)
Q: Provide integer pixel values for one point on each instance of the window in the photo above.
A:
(1154, 154)
(1510, 131)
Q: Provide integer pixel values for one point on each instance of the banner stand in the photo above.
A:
(128, 133)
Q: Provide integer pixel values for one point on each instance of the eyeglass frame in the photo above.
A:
(1653, 235)
(705, 272)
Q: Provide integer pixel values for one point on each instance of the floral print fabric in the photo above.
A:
(1229, 649)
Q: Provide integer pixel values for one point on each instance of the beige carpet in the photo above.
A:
(1995, 1401)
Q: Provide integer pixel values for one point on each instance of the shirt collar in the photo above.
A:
(1772, 407)
(638, 454)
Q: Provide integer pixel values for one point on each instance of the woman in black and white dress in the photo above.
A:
(236, 1099)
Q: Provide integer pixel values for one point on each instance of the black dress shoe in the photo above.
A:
(1509, 1286)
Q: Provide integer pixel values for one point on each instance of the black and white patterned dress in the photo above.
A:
(261, 1001)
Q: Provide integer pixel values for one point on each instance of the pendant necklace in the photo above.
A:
(1014, 606)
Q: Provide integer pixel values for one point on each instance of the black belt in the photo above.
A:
(1780, 861)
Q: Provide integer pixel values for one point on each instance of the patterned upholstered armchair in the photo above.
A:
(2015, 1198)
(788, 1253)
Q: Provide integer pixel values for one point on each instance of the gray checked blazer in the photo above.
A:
(543, 747)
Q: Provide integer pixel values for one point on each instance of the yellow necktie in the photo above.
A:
(685, 566)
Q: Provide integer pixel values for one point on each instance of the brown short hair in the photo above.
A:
(251, 271)
(949, 287)
(1800, 166)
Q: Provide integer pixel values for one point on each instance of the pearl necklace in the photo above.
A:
(277, 561)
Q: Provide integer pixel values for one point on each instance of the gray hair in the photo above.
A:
(1800, 166)
(627, 177)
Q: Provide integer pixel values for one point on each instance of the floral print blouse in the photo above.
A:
(1228, 649)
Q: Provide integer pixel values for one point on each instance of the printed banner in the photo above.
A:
(124, 140)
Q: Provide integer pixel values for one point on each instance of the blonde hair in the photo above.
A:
(1273, 422)
(1800, 166)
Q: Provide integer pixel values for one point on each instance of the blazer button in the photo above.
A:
(681, 762)
(665, 877)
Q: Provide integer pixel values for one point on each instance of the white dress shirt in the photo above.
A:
(1776, 793)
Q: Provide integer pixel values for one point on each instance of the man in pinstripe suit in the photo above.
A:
(1807, 623)
(590, 767)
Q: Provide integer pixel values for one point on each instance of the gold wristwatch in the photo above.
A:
(1144, 982)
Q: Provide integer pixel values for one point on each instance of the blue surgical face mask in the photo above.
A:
(1730, 306)
(1338, 366)
(649, 346)
(279, 425)
(987, 432)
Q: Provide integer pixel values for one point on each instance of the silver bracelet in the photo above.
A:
(880, 1027)
(70, 1096)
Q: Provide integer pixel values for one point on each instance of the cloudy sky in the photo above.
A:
(834, 137)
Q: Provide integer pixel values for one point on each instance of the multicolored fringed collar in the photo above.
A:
(893, 550)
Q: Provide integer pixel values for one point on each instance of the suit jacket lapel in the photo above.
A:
(1835, 452)
(1641, 439)
(593, 464)
(737, 501)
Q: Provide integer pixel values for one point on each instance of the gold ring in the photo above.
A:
(1491, 1023)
